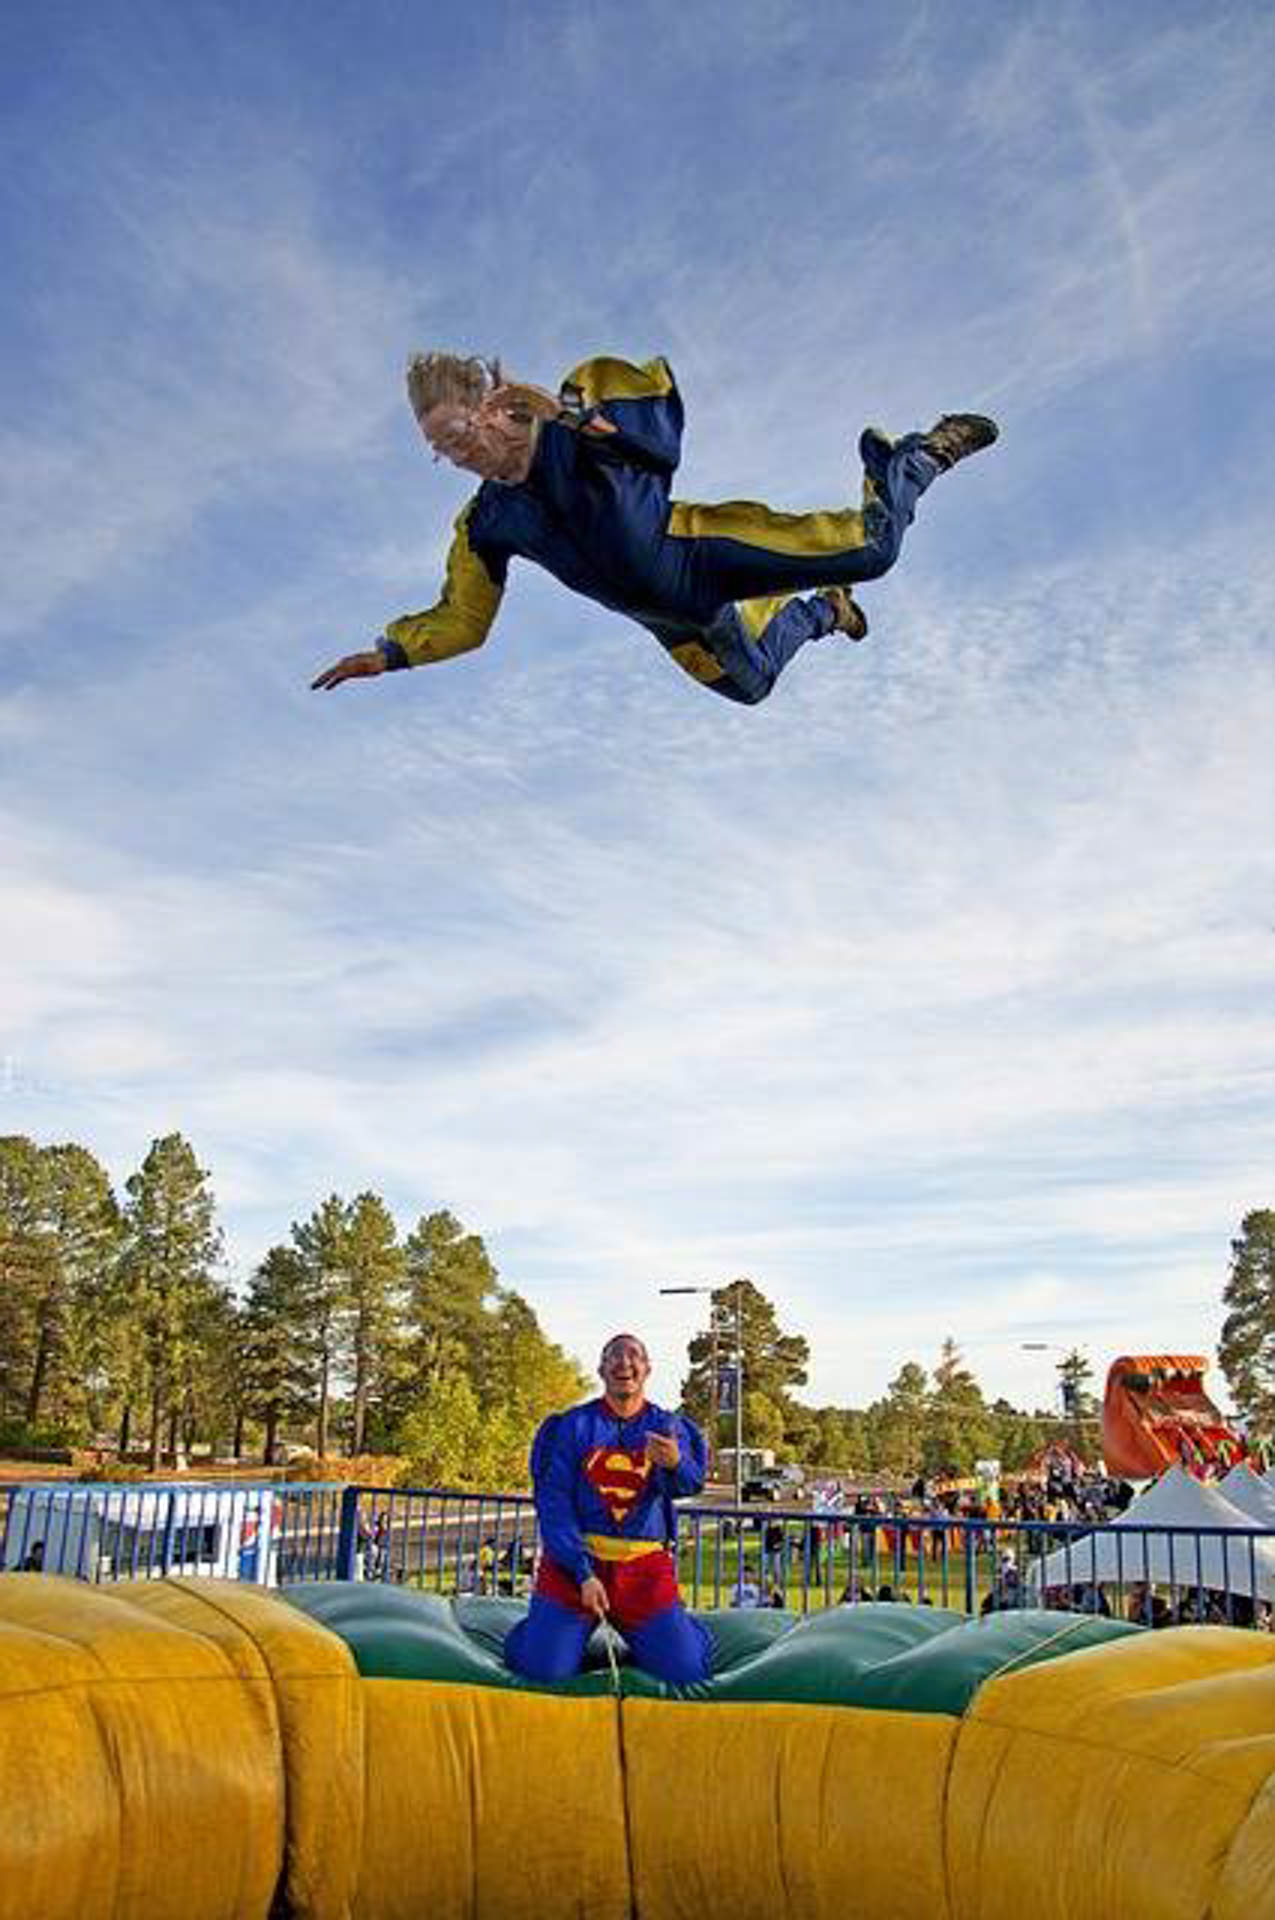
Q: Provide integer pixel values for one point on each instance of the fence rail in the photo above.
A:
(454, 1543)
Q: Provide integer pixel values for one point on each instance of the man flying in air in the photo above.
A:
(579, 483)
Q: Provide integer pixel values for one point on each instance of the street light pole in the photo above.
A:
(735, 1287)
(739, 1393)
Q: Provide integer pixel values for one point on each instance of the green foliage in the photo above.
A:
(449, 1280)
(278, 1350)
(59, 1244)
(774, 1362)
(1247, 1346)
(485, 1375)
(958, 1429)
(171, 1244)
(896, 1425)
(114, 1471)
(443, 1437)
(369, 1305)
(18, 1437)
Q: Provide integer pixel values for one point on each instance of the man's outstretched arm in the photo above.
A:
(459, 622)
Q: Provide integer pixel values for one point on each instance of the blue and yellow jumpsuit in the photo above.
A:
(718, 586)
(604, 1510)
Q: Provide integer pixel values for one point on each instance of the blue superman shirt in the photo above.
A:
(598, 1494)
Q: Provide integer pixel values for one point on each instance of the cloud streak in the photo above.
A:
(936, 992)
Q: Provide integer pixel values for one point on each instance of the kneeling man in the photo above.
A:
(605, 1476)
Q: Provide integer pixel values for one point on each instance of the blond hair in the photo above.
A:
(449, 379)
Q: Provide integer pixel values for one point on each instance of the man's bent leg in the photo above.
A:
(648, 1611)
(741, 550)
(755, 640)
(549, 1644)
(672, 1646)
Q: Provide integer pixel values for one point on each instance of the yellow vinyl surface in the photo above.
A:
(173, 1750)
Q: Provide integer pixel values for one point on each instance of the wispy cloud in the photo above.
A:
(935, 993)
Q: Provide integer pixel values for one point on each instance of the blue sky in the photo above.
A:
(935, 994)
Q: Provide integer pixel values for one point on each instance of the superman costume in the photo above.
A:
(605, 1510)
(718, 586)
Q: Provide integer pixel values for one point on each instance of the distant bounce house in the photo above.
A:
(202, 1750)
(1156, 1414)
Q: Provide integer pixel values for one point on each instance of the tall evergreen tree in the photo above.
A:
(280, 1352)
(958, 1427)
(774, 1361)
(171, 1243)
(83, 1229)
(449, 1280)
(1247, 1346)
(26, 1256)
(321, 1242)
(897, 1424)
(370, 1305)
(212, 1402)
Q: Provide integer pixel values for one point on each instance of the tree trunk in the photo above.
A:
(358, 1426)
(38, 1373)
(321, 1424)
(272, 1428)
(126, 1428)
(157, 1438)
(237, 1445)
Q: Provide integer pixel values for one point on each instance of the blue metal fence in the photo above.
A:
(452, 1543)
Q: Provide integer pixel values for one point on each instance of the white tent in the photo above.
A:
(1203, 1556)
(1251, 1494)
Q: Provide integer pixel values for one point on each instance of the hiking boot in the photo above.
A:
(956, 436)
(875, 447)
(847, 615)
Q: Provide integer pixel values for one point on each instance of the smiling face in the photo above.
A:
(487, 440)
(624, 1368)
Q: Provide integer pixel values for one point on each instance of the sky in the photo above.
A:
(934, 994)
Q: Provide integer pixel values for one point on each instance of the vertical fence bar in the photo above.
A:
(347, 1544)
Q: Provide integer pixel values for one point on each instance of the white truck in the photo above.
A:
(111, 1532)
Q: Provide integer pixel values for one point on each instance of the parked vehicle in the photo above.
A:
(771, 1483)
(142, 1532)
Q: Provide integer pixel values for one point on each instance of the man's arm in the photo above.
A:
(631, 413)
(556, 1508)
(457, 623)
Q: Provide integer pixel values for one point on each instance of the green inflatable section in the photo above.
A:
(900, 1658)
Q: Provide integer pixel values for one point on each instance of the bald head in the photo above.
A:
(624, 1367)
(632, 1339)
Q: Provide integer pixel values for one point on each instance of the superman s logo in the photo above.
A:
(618, 1477)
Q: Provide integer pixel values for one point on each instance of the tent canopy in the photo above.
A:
(1241, 1565)
(1251, 1494)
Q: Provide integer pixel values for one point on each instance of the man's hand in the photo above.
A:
(661, 1450)
(593, 1597)
(355, 666)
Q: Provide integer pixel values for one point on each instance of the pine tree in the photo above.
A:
(321, 1242)
(369, 1305)
(83, 1227)
(279, 1348)
(1247, 1346)
(171, 1243)
(958, 1427)
(449, 1280)
(774, 1361)
(897, 1424)
(26, 1257)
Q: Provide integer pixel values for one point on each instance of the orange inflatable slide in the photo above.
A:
(1156, 1414)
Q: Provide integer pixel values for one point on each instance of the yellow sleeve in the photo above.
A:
(462, 617)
